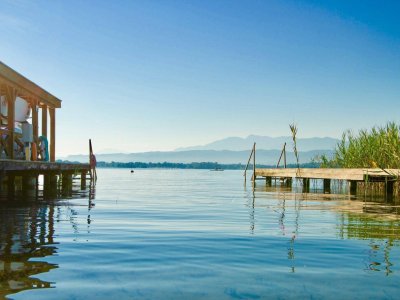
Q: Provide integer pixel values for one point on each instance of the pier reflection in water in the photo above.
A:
(27, 235)
(364, 217)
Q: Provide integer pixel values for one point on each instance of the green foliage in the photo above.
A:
(376, 148)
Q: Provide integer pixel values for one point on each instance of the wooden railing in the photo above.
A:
(4, 143)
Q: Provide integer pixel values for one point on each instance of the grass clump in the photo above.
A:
(378, 147)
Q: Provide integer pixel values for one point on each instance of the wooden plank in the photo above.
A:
(40, 166)
(52, 112)
(318, 173)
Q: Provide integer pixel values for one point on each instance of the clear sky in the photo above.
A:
(157, 75)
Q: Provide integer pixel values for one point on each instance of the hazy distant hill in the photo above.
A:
(266, 143)
(268, 157)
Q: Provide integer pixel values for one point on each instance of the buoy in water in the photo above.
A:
(132, 171)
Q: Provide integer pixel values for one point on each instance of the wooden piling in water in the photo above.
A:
(254, 166)
(353, 187)
(327, 186)
(389, 189)
(306, 185)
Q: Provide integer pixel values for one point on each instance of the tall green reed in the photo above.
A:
(378, 147)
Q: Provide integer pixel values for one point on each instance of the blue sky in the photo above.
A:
(157, 75)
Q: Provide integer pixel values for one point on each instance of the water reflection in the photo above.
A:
(27, 237)
(360, 218)
(25, 233)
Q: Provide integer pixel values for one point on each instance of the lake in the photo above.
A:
(197, 234)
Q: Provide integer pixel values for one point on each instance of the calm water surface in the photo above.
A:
(196, 234)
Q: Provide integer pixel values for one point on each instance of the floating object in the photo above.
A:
(132, 171)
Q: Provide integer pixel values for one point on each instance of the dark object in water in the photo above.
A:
(132, 171)
(217, 169)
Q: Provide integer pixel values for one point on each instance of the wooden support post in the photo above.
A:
(248, 162)
(284, 155)
(44, 120)
(353, 187)
(389, 189)
(52, 112)
(11, 185)
(66, 182)
(254, 165)
(268, 181)
(29, 184)
(11, 97)
(288, 182)
(327, 186)
(35, 121)
(3, 180)
(50, 185)
(306, 185)
(83, 179)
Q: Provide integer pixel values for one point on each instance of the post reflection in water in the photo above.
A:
(374, 218)
(26, 233)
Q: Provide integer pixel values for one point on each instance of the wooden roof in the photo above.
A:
(27, 88)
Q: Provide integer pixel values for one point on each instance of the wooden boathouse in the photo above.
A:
(28, 133)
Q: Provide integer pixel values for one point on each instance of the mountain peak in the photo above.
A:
(266, 143)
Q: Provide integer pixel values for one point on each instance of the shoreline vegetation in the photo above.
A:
(378, 147)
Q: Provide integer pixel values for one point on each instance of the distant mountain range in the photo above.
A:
(267, 143)
(232, 150)
(266, 157)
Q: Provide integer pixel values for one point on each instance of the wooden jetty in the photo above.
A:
(26, 153)
(352, 176)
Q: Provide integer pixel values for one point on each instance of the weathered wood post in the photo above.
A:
(254, 165)
(11, 95)
(248, 162)
(50, 185)
(389, 188)
(83, 179)
(44, 120)
(11, 185)
(268, 181)
(327, 186)
(66, 182)
(288, 182)
(29, 184)
(306, 185)
(52, 112)
(353, 187)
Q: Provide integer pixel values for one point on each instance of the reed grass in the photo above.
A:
(378, 147)
(293, 129)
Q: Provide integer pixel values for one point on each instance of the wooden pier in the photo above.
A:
(55, 175)
(353, 176)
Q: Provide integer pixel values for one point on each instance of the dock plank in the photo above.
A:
(322, 173)
(40, 166)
